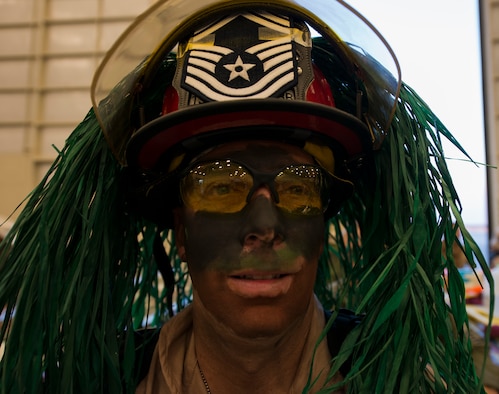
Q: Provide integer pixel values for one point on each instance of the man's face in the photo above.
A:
(254, 270)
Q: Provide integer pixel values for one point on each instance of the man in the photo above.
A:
(254, 321)
(245, 130)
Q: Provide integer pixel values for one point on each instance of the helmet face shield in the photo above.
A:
(363, 53)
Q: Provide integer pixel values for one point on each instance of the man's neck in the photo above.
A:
(232, 363)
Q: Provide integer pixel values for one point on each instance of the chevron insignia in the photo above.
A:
(243, 56)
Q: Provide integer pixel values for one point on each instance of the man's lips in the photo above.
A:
(260, 284)
(259, 277)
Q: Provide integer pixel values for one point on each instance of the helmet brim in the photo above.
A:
(198, 127)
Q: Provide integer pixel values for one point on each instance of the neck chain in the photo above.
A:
(205, 382)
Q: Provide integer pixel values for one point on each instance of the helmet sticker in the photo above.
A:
(245, 55)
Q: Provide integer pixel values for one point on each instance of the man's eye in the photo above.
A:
(225, 188)
(218, 189)
(295, 190)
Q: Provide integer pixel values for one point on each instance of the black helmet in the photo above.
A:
(244, 70)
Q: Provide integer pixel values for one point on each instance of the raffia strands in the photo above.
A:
(70, 270)
(414, 337)
(77, 270)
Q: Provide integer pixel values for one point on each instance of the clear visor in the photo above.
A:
(158, 30)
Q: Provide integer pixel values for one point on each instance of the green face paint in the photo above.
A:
(260, 238)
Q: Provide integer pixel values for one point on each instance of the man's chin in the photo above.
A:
(266, 320)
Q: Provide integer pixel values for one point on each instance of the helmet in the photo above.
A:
(243, 70)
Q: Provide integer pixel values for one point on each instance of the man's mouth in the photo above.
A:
(259, 277)
(260, 285)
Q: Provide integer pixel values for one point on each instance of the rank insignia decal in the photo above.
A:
(244, 56)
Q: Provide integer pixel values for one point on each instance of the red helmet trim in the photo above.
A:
(157, 137)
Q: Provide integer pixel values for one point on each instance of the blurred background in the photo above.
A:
(446, 51)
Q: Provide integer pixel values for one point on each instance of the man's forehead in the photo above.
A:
(263, 155)
(257, 151)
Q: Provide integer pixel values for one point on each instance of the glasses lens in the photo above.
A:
(223, 187)
(216, 187)
(300, 190)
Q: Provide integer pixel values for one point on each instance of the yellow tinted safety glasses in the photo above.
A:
(227, 186)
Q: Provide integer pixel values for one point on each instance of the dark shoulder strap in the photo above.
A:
(345, 322)
(145, 343)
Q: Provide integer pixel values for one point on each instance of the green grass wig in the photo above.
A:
(78, 272)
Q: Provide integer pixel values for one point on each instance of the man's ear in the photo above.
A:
(179, 230)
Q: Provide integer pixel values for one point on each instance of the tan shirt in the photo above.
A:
(174, 364)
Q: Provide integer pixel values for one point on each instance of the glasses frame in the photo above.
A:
(262, 178)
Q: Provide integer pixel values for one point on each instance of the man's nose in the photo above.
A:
(262, 224)
(263, 191)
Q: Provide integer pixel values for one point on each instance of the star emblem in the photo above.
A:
(239, 69)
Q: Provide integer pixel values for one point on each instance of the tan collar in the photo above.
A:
(174, 366)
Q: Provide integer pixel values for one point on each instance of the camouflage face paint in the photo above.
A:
(223, 241)
(220, 241)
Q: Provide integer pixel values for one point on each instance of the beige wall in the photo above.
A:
(49, 50)
(490, 45)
